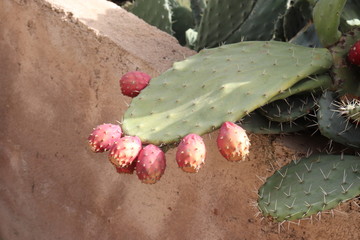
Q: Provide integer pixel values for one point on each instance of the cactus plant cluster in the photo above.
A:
(266, 67)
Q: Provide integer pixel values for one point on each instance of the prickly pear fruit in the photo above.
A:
(127, 169)
(151, 164)
(133, 82)
(103, 137)
(191, 152)
(233, 142)
(124, 151)
(354, 54)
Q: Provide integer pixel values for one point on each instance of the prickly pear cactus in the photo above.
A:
(155, 12)
(309, 186)
(334, 125)
(259, 25)
(222, 84)
(311, 84)
(220, 20)
(288, 109)
(326, 15)
(351, 110)
(259, 124)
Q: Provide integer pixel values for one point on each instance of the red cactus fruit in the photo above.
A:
(233, 142)
(133, 82)
(191, 152)
(127, 169)
(124, 151)
(151, 164)
(354, 54)
(103, 137)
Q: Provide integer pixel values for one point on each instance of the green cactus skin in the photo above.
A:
(307, 37)
(335, 126)
(155, 12)
(258, 124)
(259, 25)
(326, 16)
(311, 84)
(297, 16)
(345, 75)
(216, 85)
(220, 20)
(288, 109)
(198, 7)
(310, 185)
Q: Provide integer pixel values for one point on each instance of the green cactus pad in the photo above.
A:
(326, 15)
(345, 75)
(216, 85)
(335, 126)
(257, 123)
(220, 20)
(289, 109)
(259, 25)
(155, 12)
(310, 185)
(198, 7)
(311, 84)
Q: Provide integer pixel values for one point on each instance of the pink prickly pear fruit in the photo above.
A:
(354, 54)
(103, 137)
(151, 164)
(191, 153)
(233, 142)
(133, 82)
(127, 169)
(124, 151)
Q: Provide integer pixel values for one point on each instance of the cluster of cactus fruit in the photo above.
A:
(266, 67)
(127, 153)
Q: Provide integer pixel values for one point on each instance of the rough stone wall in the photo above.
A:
(60, 62)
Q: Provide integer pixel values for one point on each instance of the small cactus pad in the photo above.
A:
(288, 109)
(335, 126)
(310, 185)
(216, 85)
(311, 84)
(257, 123)
(326, 15)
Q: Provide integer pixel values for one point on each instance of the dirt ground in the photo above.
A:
(60, 65)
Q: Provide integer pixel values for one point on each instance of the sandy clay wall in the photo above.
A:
(60, 61)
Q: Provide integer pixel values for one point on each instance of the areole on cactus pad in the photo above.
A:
(216, 85)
